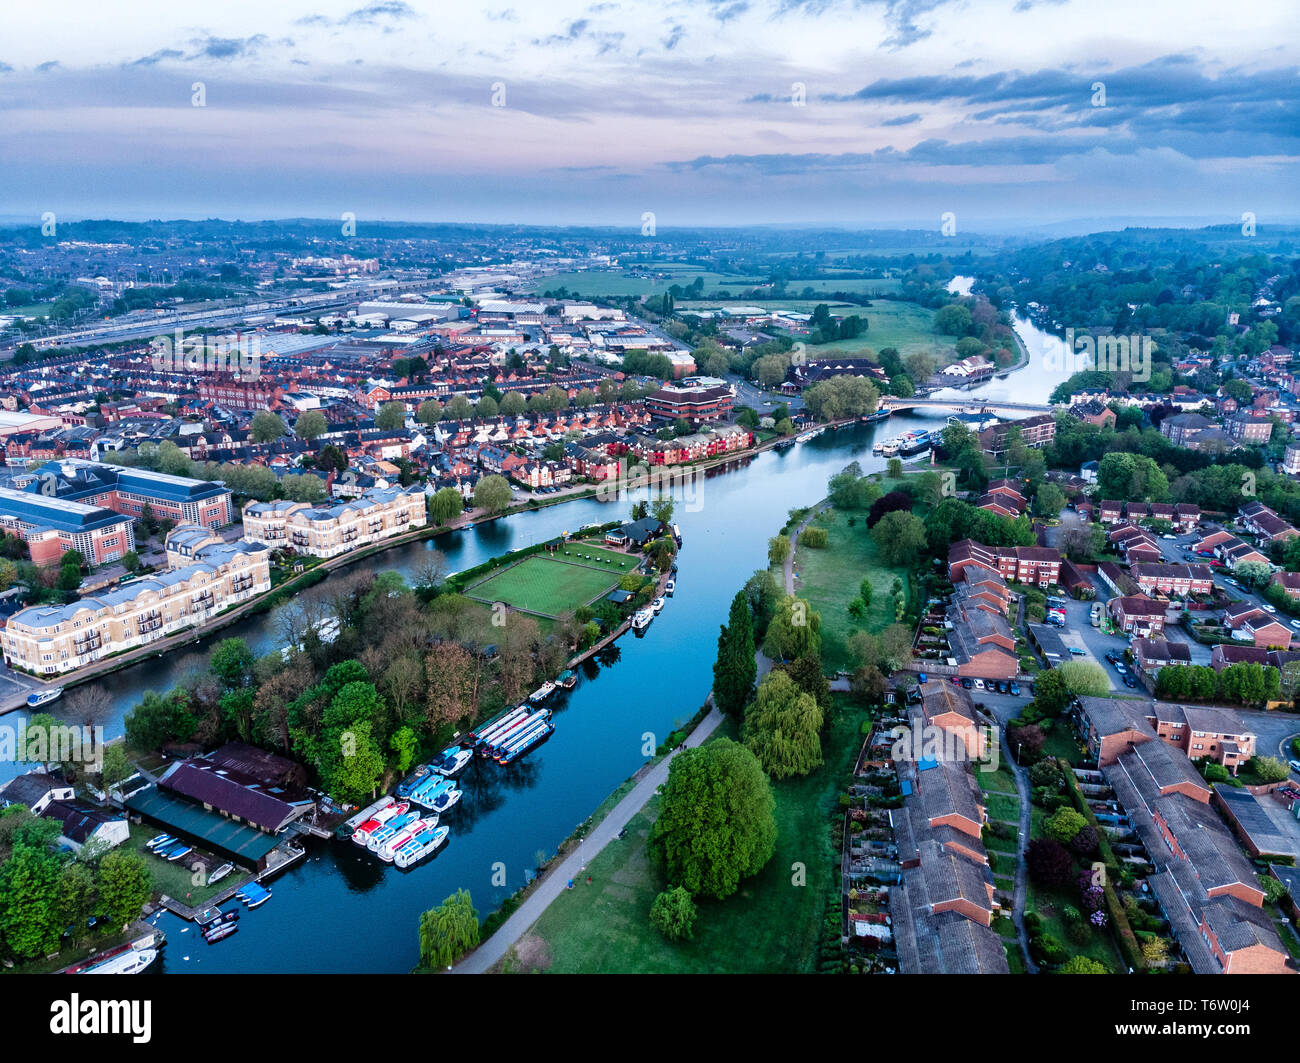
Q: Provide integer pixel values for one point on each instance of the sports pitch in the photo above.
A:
(555, 586)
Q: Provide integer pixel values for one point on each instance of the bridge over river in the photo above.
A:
(964, 405)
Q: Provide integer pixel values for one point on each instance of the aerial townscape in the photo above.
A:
(481, 575)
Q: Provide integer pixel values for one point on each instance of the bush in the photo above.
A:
(673, 914)
(1064, 824)
(814, 538)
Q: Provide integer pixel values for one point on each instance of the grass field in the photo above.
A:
(550, 587)
(908, 327)
(768, 926)
(829, 579)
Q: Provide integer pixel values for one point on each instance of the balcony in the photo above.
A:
(242, 584)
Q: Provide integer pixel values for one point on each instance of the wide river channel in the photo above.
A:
(340, 910)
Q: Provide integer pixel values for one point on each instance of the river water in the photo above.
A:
(341, 910)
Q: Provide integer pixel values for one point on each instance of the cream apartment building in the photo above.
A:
(327, 531)
(57, 639)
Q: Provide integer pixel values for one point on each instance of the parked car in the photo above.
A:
(1015, 688)
(968, 683)
(1129, 681)
(979, 684)
(1268, 608)
(1002, 686)
(1296, 624)
(1168, 536)
(1295, 766)
(1077, 652)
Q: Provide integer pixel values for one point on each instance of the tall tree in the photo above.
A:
(783, 727)
(735, 668)
(448, 931)
(717, 821)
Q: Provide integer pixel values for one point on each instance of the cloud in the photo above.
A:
(158, 57)
(47, 66)
(903, 119)
(384, 10)
(228, 47)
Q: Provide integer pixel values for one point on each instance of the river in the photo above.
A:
(340, 910)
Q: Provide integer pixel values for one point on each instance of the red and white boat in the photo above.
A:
(362, 834)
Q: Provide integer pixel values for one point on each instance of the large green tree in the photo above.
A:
(124, 885)
(448, 931)
(735, 669)
(266, 427)
(717, 822)
(783, 727)
(795, 630)
(493, 493)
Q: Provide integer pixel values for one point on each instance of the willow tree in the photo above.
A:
(448, 931)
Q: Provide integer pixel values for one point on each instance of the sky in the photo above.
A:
(1002, 113)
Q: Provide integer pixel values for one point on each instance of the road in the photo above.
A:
(570, 868)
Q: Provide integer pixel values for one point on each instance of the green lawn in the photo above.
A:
(1004, 807)
(547, 586)
(176, 879)
(769, 925)
(1000, 781)
(829, 579)
(908, 327)
(593, 283)
(1048, 905)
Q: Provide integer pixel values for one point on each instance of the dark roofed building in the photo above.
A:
(217, 790)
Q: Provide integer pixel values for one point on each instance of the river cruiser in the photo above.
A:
(129, 961)
(451, 761)
(641, 620)
(420, 846)
(542, 692)
(43, 697)
(362, 834)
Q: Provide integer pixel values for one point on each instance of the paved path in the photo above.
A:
(556, 880)
(794, 543)
(1022, 888)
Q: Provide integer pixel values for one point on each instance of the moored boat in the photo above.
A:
(452, 760)
(670, 588)
(641, 620)
(178, 852)
(390, 830)
(568, 679)
(420, 847)
(444, 800)
(526, 742)
(658, 605)
(542, 692)
(386, 851)
(362, 834)
(495, 726)
(217, 933)
(157, 840)
(220, 873)
(43, 697)
(131, 961)
(253, 895)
